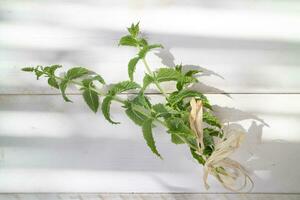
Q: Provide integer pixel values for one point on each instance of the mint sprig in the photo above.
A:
(173, 114)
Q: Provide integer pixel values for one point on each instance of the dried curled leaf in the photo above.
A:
(195, 119)
(226, 170)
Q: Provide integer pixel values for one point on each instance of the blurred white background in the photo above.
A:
(247, 48)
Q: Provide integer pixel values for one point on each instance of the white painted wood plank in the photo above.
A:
(125, 196)
(258, 56)
(51, 146)
(232, 75)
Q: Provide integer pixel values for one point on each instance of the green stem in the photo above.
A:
(155, 81)
(148, 69)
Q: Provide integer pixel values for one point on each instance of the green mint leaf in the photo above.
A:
(162, 75)
(189, 79)
(143, 42)
(177, 126)
(38, 73)
(146, 48)
(208, 144)
(142, 100)
(63, 86)
(91, 98)
(178, 68)
(185, 78)
(208, 139)
(147, 80)
(128, 40)
(99, 78)
(142, 53)
(167, 74)
(212, 132)
(192, 72)
(53, 83)
(76, 72)
(134, 29)
(147, 132)
(163, 110)
(197, 157)
(137, 117)
(184, 81)
(176, 139)
(211, 119)
(177, 97)
(131, 67)
(179, 85)
(160, 108)
(153, 46)
(106, 108)
(88, 82)
(28, 69)
(51, 69)
(122, 87)
(208, 150)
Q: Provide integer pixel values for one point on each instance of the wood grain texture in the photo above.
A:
(125, 196)
(52, 146)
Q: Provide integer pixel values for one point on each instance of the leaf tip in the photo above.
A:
(27, 69)
(113, 122)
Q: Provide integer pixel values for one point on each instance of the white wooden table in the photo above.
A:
(251, 51)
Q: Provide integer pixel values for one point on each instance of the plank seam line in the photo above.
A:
(150, 93)
(151, 193)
